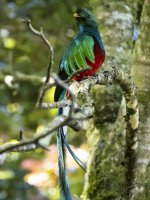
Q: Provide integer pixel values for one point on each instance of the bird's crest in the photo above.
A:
(85, 16)
(85, 13)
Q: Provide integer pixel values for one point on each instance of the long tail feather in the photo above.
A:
(61, 144)
(63, 180)
(78, 161)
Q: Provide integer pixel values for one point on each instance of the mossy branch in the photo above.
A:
(116, 76)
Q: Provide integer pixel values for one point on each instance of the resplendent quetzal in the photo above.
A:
(85, 50)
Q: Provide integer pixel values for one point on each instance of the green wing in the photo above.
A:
(81, 47)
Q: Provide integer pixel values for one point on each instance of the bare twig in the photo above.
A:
(51, 58)
(30, 144)
(59, 104)
(42, 146)
(18, 77)
(75, 73)
(65, 86)
(24, 77)
(21, 135)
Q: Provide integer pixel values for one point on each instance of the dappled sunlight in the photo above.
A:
(44, 173)
(49, 165)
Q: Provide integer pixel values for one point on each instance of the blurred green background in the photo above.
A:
(33, 175)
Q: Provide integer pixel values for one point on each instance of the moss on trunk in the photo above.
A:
(106, 133)
(140, 70)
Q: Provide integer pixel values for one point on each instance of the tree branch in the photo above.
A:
(51, 58)
(132, 122)
(33, 143)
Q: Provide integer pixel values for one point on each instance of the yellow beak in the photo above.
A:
(76, 15)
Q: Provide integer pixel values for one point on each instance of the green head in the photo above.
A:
(85, 17)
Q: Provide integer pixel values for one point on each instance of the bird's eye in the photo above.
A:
(89, 16)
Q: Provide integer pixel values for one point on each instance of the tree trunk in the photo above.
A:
(105, 177)
(106, 133)
(141, 72)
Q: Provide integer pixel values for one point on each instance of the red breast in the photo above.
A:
(99, 59)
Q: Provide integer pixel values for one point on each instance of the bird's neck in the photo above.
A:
(91, 30)
(87, 28)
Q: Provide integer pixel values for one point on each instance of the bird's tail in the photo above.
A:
(63, 180)
(65, 111)
(78, 161)
(61, 145)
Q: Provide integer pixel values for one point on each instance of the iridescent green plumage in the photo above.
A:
(80, 49)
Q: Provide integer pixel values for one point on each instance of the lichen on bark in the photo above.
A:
(140, 70)
(106, 132)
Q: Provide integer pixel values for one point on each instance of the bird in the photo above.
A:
(86, 54)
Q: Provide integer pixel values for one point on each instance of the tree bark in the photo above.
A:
(141, 72)
(105, 177)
